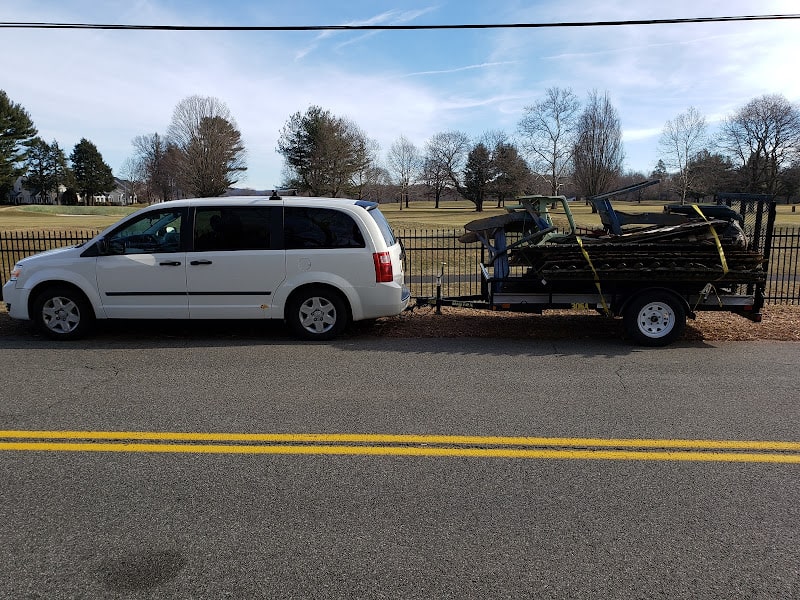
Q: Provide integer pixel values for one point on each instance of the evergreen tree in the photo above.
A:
(46, 168)
(512, 173)
(323, 153)
(92, 175)
(16, 135)
(477, 175)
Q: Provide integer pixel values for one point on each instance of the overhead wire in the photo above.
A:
(407, 27)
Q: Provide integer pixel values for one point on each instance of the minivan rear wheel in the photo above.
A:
(62, 313)
(317, 313)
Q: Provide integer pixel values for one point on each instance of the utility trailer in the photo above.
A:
(654, 270)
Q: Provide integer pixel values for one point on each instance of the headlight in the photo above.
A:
(15, 272)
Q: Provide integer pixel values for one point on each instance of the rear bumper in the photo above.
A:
(384, 300)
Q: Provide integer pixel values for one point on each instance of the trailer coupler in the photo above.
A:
(459, 302)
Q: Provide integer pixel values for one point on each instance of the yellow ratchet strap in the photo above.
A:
(596, 276)
(716, 240)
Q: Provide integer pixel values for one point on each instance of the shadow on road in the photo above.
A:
(536, 335)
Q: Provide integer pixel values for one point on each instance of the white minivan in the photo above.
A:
(317, 263)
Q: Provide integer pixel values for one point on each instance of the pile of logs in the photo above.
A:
(658, 262)
(687, 252)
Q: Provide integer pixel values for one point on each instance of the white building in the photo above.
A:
(121, 195)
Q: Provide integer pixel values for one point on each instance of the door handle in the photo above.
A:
(200, 262)
(170, 263)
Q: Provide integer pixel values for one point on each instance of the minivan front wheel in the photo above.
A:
(317, 313)
(62, 313)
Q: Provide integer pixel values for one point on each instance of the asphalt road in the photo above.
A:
(603, 511)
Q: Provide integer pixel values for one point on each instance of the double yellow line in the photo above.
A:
(402, 445)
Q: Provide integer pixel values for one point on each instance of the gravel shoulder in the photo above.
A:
(780, 323)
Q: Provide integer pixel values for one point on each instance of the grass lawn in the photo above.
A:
(59, 218)
(419, 215)
(455, 214)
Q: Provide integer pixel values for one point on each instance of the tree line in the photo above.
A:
(560, 146)
(24, 154)
(326, 155)
(202, 154)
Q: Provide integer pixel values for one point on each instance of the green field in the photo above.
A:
(59, 218)
(419, 215)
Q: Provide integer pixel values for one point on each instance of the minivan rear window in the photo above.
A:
(383, 225)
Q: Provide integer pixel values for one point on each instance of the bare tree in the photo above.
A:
(683, 137)
(211, 154)
(435, 176)
(132, 178)
(154, 169)
(445, 157)
(493, 138)
(404, 164)
(374, 183)
(367, 178)
(762, 137)
(548, 133)
(598, 149)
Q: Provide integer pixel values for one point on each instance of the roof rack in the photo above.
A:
(279, 193)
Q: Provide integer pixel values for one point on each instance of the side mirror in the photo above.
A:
(107, 247)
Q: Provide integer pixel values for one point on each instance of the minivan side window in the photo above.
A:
(153, 232)
(306, 228)
(231, 228)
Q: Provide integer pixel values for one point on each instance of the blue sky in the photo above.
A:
(110, 86)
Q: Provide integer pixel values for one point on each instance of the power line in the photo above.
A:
(107, 26)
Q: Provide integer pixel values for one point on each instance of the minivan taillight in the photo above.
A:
(383, 267)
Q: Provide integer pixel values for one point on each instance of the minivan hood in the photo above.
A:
(49, 254)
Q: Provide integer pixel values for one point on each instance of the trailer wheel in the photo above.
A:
(655, 319)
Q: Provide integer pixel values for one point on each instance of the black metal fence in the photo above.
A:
(783, 283)
(431, 253)
(15, 245)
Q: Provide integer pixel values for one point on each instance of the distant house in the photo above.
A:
(20, 194)
(121, 195)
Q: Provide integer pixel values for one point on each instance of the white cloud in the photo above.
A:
(461, 69)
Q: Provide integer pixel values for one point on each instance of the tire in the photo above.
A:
(655, 319)
(317, 313)
(62, 313)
